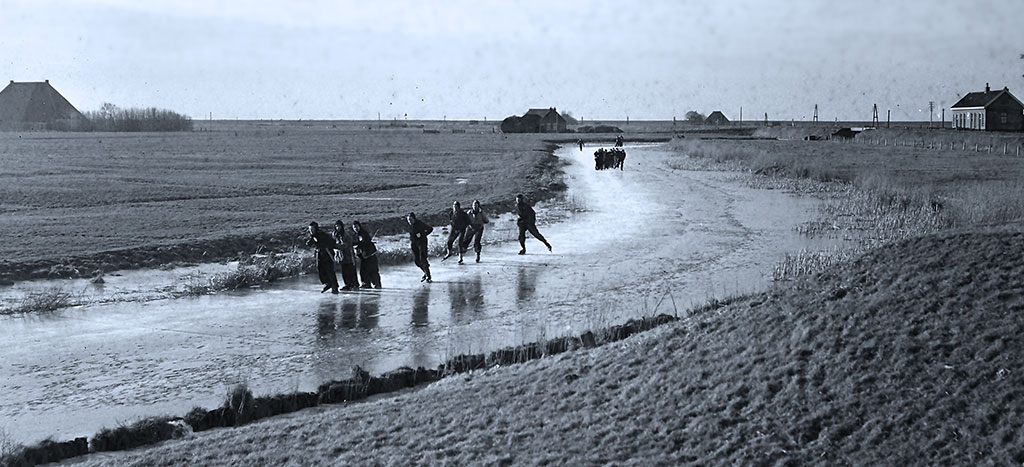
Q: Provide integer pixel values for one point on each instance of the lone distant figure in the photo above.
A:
(580, 142)
(527, 222)
(345, 256)
(369, 269)
(477, 219)
(324, 257)
(418, 231)
(457, 234)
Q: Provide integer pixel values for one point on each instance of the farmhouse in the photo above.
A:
(716, 118)
(535, 121)
(990, 111)
(37, 106)
(550, 120)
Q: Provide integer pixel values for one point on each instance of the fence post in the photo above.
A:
(1004, 149)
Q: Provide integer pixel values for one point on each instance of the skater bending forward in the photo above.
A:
(527, 222)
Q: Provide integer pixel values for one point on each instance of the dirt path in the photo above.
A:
(638, 231)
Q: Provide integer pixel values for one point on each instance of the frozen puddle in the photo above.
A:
(632, 239)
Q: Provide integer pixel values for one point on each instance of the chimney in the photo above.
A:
(48, 82)
(986, 88)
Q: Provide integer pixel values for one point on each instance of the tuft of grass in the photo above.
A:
(7, 445)
(41, 301)
(811, 262)
(255, 270)
(147, 431)
(240, 403)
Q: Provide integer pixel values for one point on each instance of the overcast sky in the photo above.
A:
(477, 59)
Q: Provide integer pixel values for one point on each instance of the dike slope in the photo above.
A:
(910, 355)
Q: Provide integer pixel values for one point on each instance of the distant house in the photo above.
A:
(716, 118)
(550, 120)
(37, 106)
(989, 111)
(535, 121)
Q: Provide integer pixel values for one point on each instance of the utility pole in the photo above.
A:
(874, 115)
(942, 123)
(741, 113)
(766, 119)
(931, 112)
(888, 113)
(815, 113)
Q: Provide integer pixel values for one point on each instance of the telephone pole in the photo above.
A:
(874, 115)
(815, 113)
(931, 113)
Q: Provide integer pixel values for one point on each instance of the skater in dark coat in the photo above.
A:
(477, 219)
(418, 231)
(345, 256)
(369, 269)
(457, 233)
(324, 257)
(527, 223)
(580, 142)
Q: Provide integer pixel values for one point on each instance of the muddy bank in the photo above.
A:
(241, 408)
(544, 182)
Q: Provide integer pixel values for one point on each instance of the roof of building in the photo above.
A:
(34, 102)
(716, 116)
(982, 98)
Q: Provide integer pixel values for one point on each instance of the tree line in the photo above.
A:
(113, 118)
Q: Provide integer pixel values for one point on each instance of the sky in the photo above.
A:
(476, 59)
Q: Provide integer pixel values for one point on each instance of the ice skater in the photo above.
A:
(475, 233)
(369, 269)
(345, 256)
(418, 231)
(324, 257)
(527, 222)
(457, 232)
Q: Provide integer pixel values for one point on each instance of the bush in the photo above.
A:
(599, 129)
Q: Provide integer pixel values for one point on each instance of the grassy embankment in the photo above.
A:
(78, 204)
(874, 194)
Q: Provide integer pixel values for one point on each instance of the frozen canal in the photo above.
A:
(630, 240)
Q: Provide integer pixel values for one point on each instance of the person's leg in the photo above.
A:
(375, 279)
(332, 276)
(478, 235)
(538, 236)
(452, 236)
(522, 239)
(348, 276)
(365, 271)
(459, 244)
(468, 237)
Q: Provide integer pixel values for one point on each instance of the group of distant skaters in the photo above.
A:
(347, 246)
(614, 158)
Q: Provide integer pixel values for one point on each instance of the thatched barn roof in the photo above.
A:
(36, 105)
